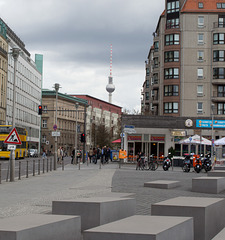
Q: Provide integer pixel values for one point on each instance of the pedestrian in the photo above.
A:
(44, 154)
(90, 154)
(59, 154)
(107, 154)
(72, 156)
(95, 158)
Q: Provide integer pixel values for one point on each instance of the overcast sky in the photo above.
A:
(74, 37)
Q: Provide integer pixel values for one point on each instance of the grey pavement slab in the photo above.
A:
(164, 184)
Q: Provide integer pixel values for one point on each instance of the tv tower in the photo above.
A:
(110, 88)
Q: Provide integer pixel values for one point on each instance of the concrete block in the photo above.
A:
(162, 184)
(144, 228)
(208, 184)
(208, 213)
(96, 211)
(216, 173)
(40, 227)
(220, 235)
(219, 168)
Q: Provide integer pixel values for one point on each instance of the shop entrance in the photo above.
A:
(154, 148)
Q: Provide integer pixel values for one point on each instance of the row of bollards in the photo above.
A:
(46, 163)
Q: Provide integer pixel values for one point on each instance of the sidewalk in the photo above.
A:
(35, 194)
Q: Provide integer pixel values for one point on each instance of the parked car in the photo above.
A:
(33, 153)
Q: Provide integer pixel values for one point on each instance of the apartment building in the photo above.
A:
(100, 112)
(185, 76)
(68, 115)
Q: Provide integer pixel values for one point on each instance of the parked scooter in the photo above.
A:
(187, 164)
(207, 164)
(197, 163)
(166, 163)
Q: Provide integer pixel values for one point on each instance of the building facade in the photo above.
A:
(27, 88)
(3, 71)
(100, 112)
(67, 117)
(185, 70)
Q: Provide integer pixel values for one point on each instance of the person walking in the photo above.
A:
(72, 156)
(58, 155)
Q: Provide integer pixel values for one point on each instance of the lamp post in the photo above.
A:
(15, 54)
(56, 86)
(76, 106)
(212, 146)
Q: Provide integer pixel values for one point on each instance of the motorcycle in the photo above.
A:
(166, 164)
(207, 164)
(198, 166)
(187, 165)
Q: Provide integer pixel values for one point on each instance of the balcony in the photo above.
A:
(155, 99)
(218, 25)
(218, 96)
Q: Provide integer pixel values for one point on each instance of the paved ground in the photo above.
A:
(35, 194)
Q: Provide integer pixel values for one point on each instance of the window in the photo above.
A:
(171, 107)
(220, 5)
(218, 56)
(45, 108)
(221, 108)
(147, 72)
(171, 90)
(147, 96)
(171, 56)
(200, 55)
(156, 46)
(200, 21)
(218, 38)
(221, 91)
(173, 7)
(44, 139)
(221, 21)
(147, 83)
(44, 123)
(200, 73)
(200, 38)
(155, 78)
(172, 39)
(200, 90)
(218, 73)
(200, 5)
(172, 23)
(170, 73)
(156, 62)
(199, 107)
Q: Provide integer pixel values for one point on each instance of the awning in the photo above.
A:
(117, 141)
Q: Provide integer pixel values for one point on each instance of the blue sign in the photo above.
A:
(203, 123)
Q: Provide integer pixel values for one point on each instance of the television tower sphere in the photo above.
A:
(110, 88)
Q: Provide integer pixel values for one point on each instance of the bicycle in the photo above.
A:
(153, 165)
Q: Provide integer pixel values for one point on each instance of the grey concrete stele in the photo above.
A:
(40, 227)
(164, 184)
(220, 235)
(208, 213)
(144, 228)
(97, 210)
(216, 173)
(208, 184)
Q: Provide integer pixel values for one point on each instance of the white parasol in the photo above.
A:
(196, 139)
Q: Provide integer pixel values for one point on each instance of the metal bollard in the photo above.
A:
(19, 178)
(50, 164)
(43, 165)
(27, 170)
(39, 166)
(0, 173)
(47, 164)
(33, 167)
(79, 163)
(63, 165)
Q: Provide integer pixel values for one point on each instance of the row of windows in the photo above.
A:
(171, 107)
(171, 90)
(171, 56)
(171, 73)
(172, 39)
(218, 38)
(218, 56)
(218, 73)
(173, 23)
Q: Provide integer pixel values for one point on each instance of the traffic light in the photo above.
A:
(82, 137)
(40, 110)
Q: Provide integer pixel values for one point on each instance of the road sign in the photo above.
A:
(55, 127)
(13, 138)
(11, 147)
(56, 134)
(129, 129)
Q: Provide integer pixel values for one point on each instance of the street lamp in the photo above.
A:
(212, 146)
(56, 86)
(15, 54)
(76, 106)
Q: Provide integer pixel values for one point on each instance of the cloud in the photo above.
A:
(74, 37)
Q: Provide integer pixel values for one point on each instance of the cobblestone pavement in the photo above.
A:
(127, 179)
(35, 194)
